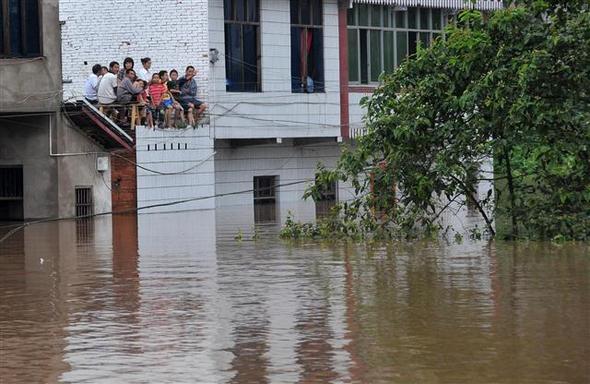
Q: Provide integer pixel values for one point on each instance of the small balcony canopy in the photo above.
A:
(450, 4)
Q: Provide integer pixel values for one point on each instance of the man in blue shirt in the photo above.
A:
(188, 96)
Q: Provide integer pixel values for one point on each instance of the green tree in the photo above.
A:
(512, 86)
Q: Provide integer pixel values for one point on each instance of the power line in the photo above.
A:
(135, 210)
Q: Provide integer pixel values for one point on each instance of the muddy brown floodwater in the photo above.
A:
(174, 298)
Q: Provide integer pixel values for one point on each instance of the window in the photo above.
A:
(264, 189)
(327, 200)
(380, 38)
(307, 46)
(242, 45)
(20, 35)
(84, 201)
(11, 192)
(265, 199)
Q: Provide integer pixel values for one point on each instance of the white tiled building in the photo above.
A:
(283, 79)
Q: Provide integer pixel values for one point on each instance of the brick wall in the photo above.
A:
(124, 181)
(173, 33)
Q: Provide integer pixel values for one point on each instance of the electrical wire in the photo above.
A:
(105, 183)
(135, 210)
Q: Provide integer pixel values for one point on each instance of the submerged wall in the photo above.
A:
(173, 165)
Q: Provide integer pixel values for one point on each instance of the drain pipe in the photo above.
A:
(51, 154)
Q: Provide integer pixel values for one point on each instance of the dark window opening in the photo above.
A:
(242, 45)
(327, 200)
(84, 201)
(307, 46)
(20, 35)
(264, 188)
(11, 193)
(265, 199)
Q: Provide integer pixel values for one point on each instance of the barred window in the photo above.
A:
(381, 37)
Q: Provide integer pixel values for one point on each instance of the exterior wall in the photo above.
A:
(49, 179)
(38, 81)
(25, 141)
(189, 170)
(356, 113)
(235, 169)
(124, 180)
(172, 33)
(81, 170)
(275, 112)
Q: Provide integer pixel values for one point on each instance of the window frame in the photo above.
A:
(391, 13)
(310, 26)
(228, 57)
(263, 194)
(5, 52)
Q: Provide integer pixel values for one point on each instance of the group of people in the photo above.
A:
(163, 94)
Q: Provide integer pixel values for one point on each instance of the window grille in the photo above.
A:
(265, 189)
(265, 199)
(11, 193)
(84, 201)
(11, 183)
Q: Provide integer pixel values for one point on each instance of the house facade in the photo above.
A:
(48, 163)
(283, 80)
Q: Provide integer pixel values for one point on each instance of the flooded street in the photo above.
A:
(176, 298)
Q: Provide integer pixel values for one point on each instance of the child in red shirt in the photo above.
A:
(156, 91)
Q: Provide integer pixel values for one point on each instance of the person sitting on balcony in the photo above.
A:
(172, 84)
(107, 88)
(127, 91)
(188, 96)
(171, 103)
(156, 90)
(127, 64)
(144, 72)
(142, 99)
(91, 85)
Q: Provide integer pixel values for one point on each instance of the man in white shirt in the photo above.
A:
(144, 72)
(91, 85)
(107, 87)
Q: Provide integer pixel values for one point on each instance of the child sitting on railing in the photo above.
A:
(142, 99)
(171, 104)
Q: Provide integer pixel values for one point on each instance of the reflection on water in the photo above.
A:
(174, 298)
(266, 212)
